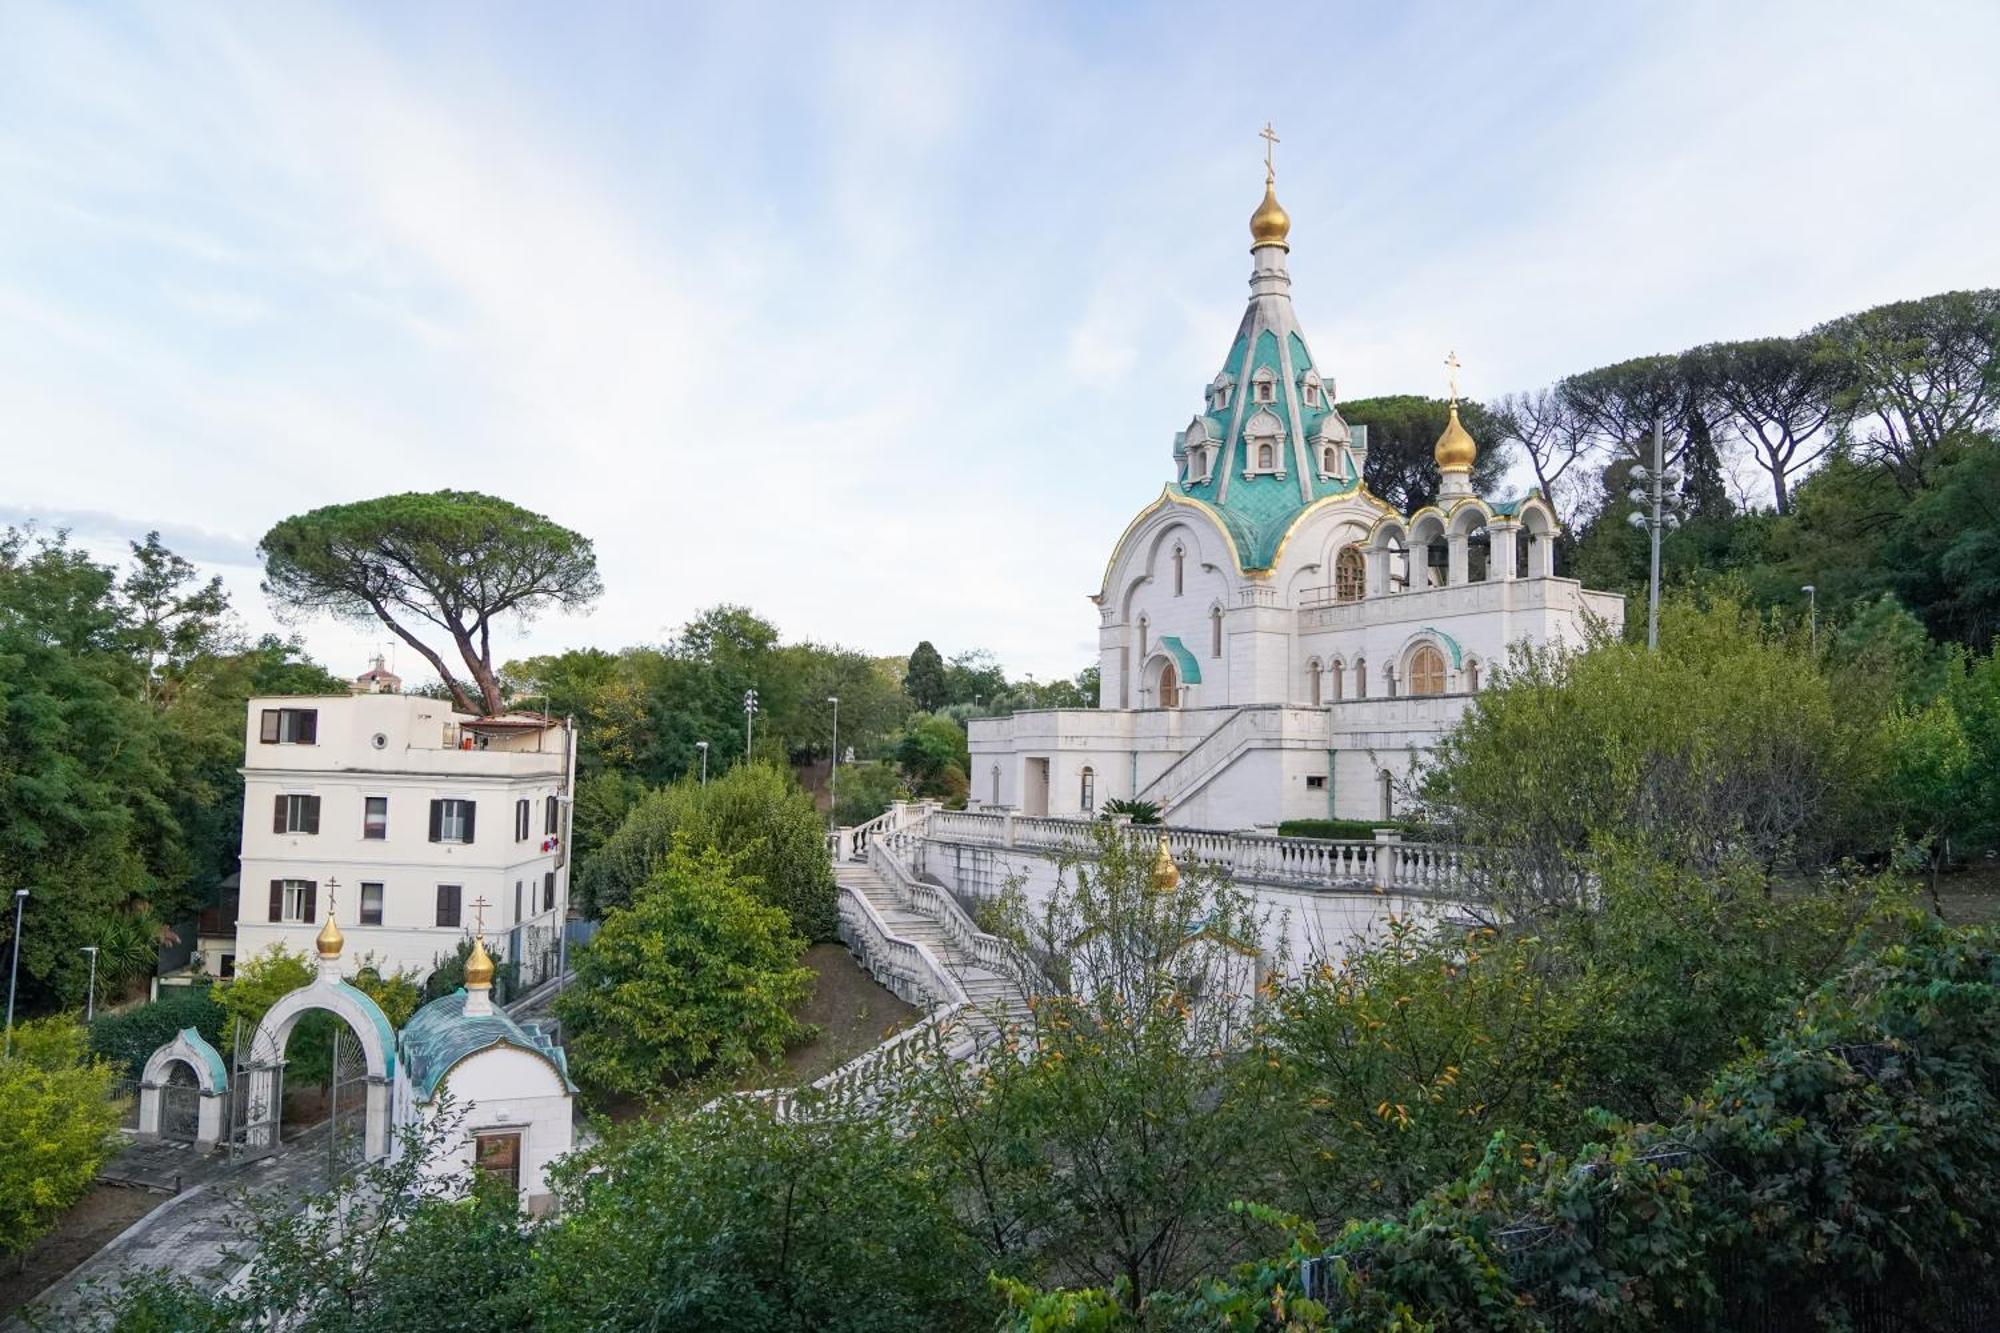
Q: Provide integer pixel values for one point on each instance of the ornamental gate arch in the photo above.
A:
(181, 1091)
(260, 1070)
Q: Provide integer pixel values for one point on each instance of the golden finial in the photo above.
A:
(1166, 875)
(478, 964)
(1270, 224)
(330, 939)
(1456, 449)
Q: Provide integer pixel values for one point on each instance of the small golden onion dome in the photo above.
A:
(1166, 875)
(478, 966)
(1455, 448)
(330, 938)
(1270, 224)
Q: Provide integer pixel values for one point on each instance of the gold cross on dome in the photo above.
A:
(479, 915)
(1451, 364)
(1270, 138)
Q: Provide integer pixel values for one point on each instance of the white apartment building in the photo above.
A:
(405, 816)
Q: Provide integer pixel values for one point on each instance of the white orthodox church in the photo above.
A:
(1275, 642)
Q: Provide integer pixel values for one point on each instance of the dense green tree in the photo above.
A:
(456, 561)
(1776, 395)
(129, 1039)
(754, 814)
(1944, 555)
(58, 1122)
(695, 974)
(1403, 432)
(924, 679)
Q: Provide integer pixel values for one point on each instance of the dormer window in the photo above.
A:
(1309, 387)
(1218, 392)
(1200, 459)
(1263, 446)
(1329, 462)
(1264, 386)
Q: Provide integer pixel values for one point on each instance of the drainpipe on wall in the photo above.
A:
(1134, 776)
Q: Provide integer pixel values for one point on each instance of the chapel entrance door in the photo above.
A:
(1035, 793)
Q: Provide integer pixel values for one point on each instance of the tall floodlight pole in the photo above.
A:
(1656, 518)
(703, 747)
(1812, 614)
(749, 714)
(90, 997)
(833, 777)
(14, 972)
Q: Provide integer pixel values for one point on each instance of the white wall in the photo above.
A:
(504, 1088)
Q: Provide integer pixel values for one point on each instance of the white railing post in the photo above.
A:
(1387, 844)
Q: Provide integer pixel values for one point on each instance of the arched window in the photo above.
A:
(1329, 461)
(1426, 671)
(1472, 677)
(1339, 679)
(1361, 678)
(1087, 797)
(1215, 632)
(1388, 795)
(995, 798)
(1142, 638)
(1388, 680)
(1170, 686)
(1264, 457)
(1264, 386)
(1350, 575)
(1180, 570)
(1312, 681)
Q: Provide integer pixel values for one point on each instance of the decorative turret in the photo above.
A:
(1456, 450)
(329, 941)
(478, 967)
(1269, 441)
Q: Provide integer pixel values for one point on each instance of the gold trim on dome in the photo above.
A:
(1168, 495)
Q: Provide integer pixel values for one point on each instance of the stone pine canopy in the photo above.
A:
(441, 1034)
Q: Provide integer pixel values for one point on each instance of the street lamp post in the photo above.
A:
(703, 747)
(90, 997)
(833, 776)
(1812, 614)
(1656, 518)
(14, 972)
(749, 713)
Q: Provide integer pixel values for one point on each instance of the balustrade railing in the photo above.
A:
(1387, 864)
(906, 967)
(888, 857)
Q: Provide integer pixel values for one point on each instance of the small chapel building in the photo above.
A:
(1275, 642)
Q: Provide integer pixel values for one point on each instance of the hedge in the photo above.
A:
(129, 1039)
(1350, 830)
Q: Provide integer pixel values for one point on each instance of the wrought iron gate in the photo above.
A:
(346, 1106)
(256, 1094)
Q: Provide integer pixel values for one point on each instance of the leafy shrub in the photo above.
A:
(1137, 811)
(696, 974)
(129, 1039)
(58, 1122)
(449, 975)
(867, 790)
(756, 815)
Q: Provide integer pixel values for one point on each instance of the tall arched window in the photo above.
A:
(1361, 678)
(1350, 575)
(1170, 686)
(994, 799)
(1180, 570)
(1087, 795)
(1388, 795)
(1426, 671)
(1312, 681)
(1215, 632)
(1472, 677)
(1264, 457)
(1143, 623)
(1329, 461)
(1339, 679)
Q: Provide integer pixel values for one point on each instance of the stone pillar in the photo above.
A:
(1502, 555)
(1387, 843)
(1541, 555)
(1458, 560)
(208, 1130)
(1378, 571)
(375, 1145)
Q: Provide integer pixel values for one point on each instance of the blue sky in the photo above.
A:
(881, 320)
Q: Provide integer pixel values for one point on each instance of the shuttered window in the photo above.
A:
(295, 814)
(523, 813)
(289, 726)
(371, 904)
(451, 820)
(549, 891)
(294, 900)
(447, 905)
(550, 823)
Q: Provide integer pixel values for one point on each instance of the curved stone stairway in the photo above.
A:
(995, 997)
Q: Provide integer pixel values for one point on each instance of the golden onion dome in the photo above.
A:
(1270, 224)
(330, 939)
(1455, 448)
(478, 966)
(1166, 875)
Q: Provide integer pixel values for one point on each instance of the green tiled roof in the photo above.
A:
(440, 1034)
(209, 1055)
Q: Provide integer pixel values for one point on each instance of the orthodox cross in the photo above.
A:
(1451, 364)
(479, 916)
(332, 888)
(1270, 138)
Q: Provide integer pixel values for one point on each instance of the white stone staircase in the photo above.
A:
(993, 992)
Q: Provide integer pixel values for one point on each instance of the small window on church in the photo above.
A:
(1312, 393)
(1350, 575)
(1312, 682)
(1215, 632)
(1328, 462)
(1472, 677)
(1361, 678)
(1088, 794)
(1264, 457)
(1339, 673)
(1266, 391)
(1180, 571)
